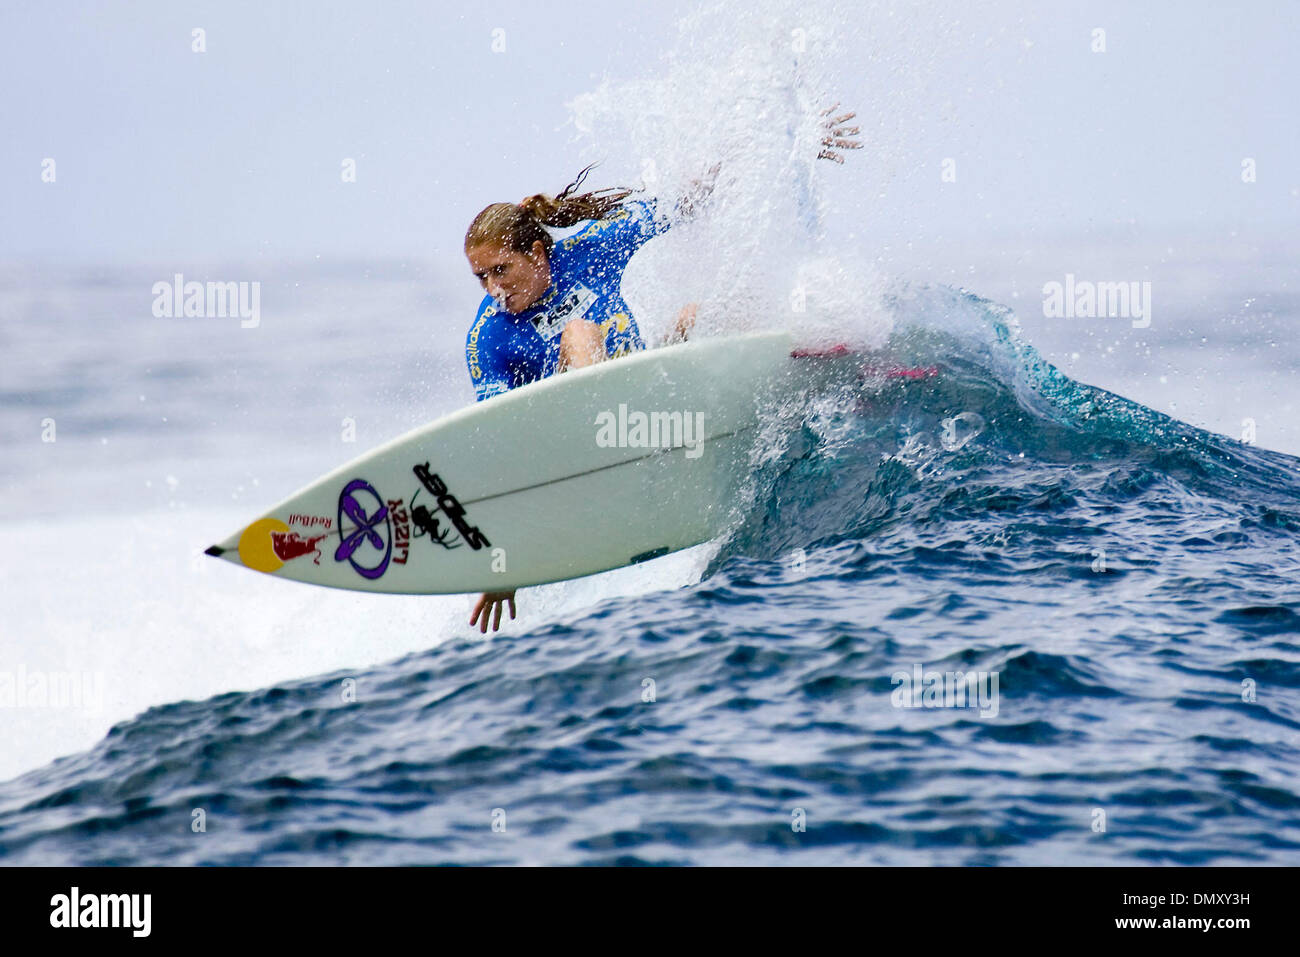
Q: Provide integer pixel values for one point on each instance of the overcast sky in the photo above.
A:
(164, 155)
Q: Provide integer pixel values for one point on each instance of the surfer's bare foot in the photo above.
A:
(491, 602)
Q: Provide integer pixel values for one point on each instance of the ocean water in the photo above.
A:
(1128, 578)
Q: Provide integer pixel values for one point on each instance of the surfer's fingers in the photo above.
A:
(496, 620)
(482, 612)
(829, 108)
(840, 119)
(827, 154)
(512, 607)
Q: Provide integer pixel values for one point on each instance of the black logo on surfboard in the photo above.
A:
(425, 519)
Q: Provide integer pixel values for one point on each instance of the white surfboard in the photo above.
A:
(592, 469)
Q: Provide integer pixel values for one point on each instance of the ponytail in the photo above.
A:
(519, 226)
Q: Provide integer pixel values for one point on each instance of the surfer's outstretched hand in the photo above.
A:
(490, 602)
(837, 135)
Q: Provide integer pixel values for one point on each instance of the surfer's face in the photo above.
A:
(515, 280)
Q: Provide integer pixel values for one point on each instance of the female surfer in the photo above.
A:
(555, 305)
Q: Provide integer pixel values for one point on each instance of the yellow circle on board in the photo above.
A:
(256, 550)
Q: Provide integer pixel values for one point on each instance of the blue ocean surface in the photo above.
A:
(1122, 584)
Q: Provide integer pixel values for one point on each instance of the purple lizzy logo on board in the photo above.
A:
(366, 537)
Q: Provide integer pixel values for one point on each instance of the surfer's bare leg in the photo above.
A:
(582, 343)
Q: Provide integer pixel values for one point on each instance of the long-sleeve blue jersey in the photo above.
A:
(505, 350)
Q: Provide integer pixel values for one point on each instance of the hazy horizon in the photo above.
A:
(235, 154)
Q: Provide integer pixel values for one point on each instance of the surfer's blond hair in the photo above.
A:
(518, 225)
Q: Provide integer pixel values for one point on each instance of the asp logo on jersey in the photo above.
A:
(575, 305)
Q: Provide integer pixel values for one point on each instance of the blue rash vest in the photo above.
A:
(505, 350)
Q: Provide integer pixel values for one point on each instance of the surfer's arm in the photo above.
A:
(487, 388)
(693, 200)
(626, 230)
(639, 220)
(835, 136)
(487, 381)
(487, 373)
